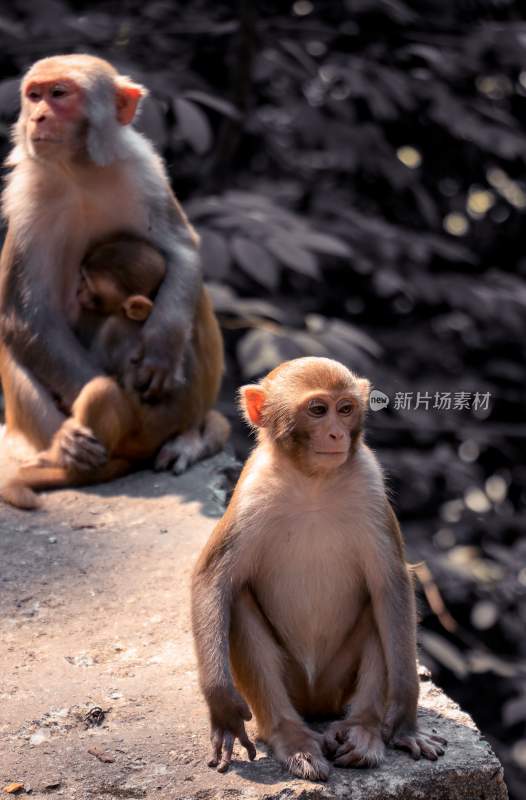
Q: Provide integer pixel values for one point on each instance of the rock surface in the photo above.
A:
(94, 614)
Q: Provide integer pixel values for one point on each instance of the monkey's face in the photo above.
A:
(323, 429)
(55, 120)
(312, 409)
(98, 293)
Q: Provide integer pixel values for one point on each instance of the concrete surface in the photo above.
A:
(94, 613)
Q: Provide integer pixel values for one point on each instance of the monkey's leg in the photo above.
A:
(102, 415)
(186, 449)
(29, 407)
(359, 668)
(20, 490)
(258, 665)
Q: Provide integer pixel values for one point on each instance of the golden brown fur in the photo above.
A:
(80, 173)
(132, 431)
(301, 599)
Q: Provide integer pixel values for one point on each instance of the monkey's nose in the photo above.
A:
(336, 436)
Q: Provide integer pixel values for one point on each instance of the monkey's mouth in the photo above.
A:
(46, 139)
(330, 452)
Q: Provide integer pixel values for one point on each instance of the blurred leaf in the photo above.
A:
(323, 243)
(193, 125)
(152, 122)
(226, 302)
(514, 711)
(346, 342)
(256, 262)
(217, 103)
(215, 255)
(9, 97)
(293, 256)
(445, 653)
(247, 200)
(260, 350)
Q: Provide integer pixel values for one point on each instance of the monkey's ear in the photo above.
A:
(128, 97)
(137, 307)
(252, 399)
(364, 387)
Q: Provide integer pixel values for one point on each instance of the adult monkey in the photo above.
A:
(80, 174)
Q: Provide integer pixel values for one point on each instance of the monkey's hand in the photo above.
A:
(77, 448)
(228, 714)
(157, 365)
(402, 734)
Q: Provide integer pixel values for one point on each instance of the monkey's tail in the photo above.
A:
(20, 490)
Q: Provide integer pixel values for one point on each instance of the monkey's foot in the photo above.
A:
(300, 750)
(179, 453)
(420, 744)
(351, 745)
(78, 447)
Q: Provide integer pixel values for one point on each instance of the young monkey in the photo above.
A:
(301, 599)
(118, 280)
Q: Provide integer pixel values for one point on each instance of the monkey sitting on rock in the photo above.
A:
(118, 280)
(79, 174)
(302, 602)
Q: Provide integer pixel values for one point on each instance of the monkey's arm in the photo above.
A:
(393, 601)
(394, 609)
(212, 597)
(36, 333)
(167, 332)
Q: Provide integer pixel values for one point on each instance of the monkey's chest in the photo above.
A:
(310, 588)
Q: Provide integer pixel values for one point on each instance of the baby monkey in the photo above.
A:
(118, 280)
(302, 603)
(116, 294)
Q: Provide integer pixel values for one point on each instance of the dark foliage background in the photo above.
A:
(356, 172)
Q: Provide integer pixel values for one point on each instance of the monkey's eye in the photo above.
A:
(33, 94)
(58, 91)
(317, 408)
(345, 409)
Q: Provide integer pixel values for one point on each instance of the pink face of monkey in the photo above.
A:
(63, 97)
(312, 409)
(56, 118)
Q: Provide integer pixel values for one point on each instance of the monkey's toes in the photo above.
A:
(421, 744)
(308, 766)
(351, 745)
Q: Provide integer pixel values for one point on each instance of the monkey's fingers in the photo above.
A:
(217, 746)
(335, 735)
(330, 744)
(156, 386)
(244, 710)
(247, 744)
(439, 739)
(350, 758)
(408, 743)
(228, 746)
(142, 379)
(80, 449)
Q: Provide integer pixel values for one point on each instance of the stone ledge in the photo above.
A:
(94, 612)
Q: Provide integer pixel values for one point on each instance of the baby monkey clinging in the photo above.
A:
(302, 602)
